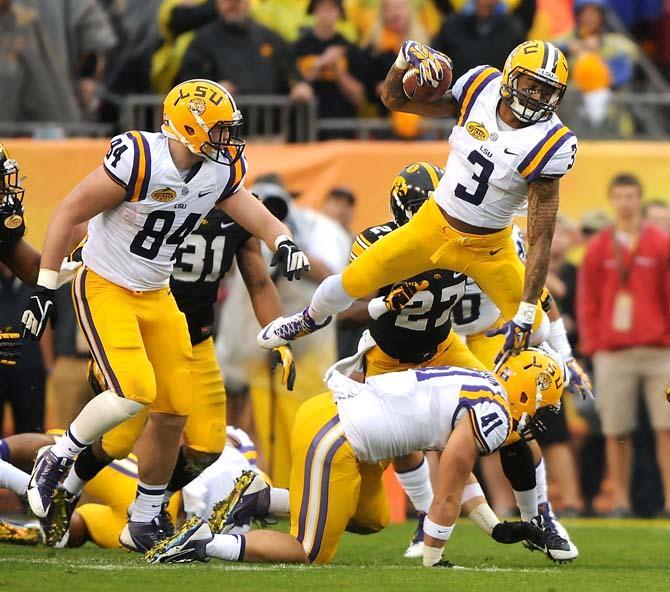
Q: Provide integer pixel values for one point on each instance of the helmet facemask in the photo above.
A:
(526, 107)
(225, 144)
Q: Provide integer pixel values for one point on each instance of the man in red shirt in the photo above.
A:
(623, 309)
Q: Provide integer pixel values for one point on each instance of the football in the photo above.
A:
(426, 93)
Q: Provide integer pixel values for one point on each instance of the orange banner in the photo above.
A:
(53, 167)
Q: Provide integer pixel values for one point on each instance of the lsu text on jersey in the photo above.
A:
(341, 441)
(486, 183)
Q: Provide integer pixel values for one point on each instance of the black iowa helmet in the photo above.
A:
(12, 226)
(413, 185)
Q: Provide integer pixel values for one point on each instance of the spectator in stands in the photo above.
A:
(395, 22)
(482, 33)
(624, 321)
(657, 213)
(21, 386)
(247, 58)
(364, 14)
(82, 33)
(178, 20)
(331, 65)
(128, 65)
(34, 80)
(600, 61)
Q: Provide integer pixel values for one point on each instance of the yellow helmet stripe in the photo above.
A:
(431, 173)
(473, 91)
(544, 152)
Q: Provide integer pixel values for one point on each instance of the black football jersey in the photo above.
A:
(413, 334)
(12, 225)
(202, 260)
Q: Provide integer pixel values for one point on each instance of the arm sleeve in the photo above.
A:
(120, 160)
(562, 161)
(587, 299)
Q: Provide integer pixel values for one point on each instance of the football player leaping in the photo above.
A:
(341, 437)
(508, 148)
(152, 191)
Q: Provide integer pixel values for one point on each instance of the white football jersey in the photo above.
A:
(397, 413)
(489, 169)
(133, 245)
(475, 312)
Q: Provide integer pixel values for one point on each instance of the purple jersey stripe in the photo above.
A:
(533, 153)
(469, 83)
(147, 171)
(309, 460)
(492, 76)
(537, 171)
(136, 164)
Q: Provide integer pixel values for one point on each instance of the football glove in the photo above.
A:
(401, 293)
(517, 337)
(292, 260)
(580, 383)
(284, 355)
(41, 308)
(425, 59)
(10, 346)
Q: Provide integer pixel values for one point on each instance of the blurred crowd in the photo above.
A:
(76, 60)
(609, 273)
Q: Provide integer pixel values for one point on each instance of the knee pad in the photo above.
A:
(142, 387)
(518, 466)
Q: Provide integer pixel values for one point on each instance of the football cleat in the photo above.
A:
(165, 520)
(188, 544)
(142, 536)
(249, 500)
(553, 545)
(284, 329)
(19, 534)
(48, 470)
(56, 524)
(415, 548)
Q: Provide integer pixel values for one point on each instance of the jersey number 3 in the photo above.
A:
(476, 197)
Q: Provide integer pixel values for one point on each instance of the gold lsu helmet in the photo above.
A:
(543, 62)
(203, 116)
(534, 381)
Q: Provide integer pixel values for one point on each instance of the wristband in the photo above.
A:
(400, 62)
(432, 555)
(437, 531)
(48, 278)
(377, 307)
(280, 239)
(558, 339)
(526, 313)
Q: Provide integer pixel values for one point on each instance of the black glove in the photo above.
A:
(291, 258)
(284, 355)
(41, 307)
(10, 346)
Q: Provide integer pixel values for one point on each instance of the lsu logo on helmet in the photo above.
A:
(543, 62)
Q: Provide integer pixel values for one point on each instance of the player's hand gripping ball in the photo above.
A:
(429, 72)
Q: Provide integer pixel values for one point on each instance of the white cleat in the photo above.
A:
(284, 329)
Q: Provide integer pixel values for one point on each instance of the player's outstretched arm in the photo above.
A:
(95, 194)
(456, 463)
(24, 261)
(542, 210)
(252, 215)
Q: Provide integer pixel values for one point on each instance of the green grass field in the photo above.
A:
(621, 555)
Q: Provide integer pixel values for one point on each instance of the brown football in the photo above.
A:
(426, 93)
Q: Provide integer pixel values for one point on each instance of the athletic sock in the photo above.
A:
(229, 547)
(13, 479)
(147, 502)
(416, 483)
(279, 501)
(87, 466)
(69, 444)
(541, 482)
(526, 501)
(329, 299)
(484, 517)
